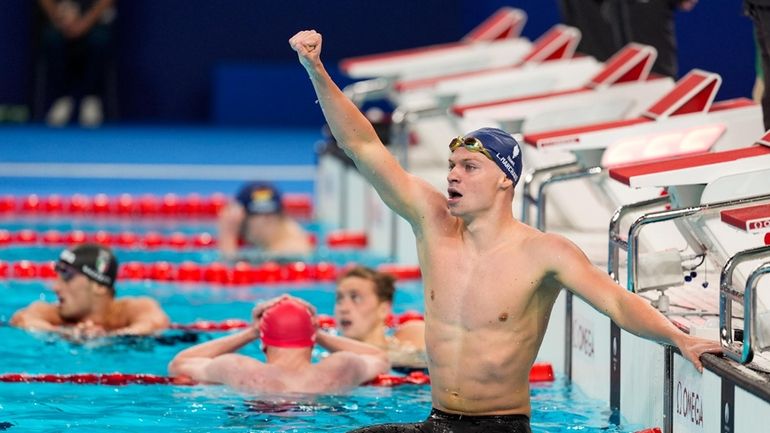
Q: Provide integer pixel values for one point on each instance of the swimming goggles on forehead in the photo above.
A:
(65, 271)
(472, 144)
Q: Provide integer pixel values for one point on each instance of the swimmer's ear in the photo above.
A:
(100, 289)
(505, 183)
(384, 309)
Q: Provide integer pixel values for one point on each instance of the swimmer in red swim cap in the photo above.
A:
(286, 326)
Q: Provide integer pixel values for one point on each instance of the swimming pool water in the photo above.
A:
(557, 407)
(46, 407)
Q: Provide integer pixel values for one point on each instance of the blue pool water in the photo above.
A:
(44, 407)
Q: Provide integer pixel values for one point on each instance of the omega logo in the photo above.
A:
(583, 339)
(689, 404)
(759, 224)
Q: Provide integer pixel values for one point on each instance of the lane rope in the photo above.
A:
(120, 379)
(152, 240)
(241, 273)
(540, 372)
(146, 205)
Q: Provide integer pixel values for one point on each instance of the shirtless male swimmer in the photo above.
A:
(489, 280)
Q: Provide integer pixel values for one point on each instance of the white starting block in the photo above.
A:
(688, 105)
(722, 206)
(701, 169)
(556, 46)
(492, 85)
(608, 96)
(705, 190)
(684, 121)
(752, 219)
(631, 64)
(705, 179)
(493, 43)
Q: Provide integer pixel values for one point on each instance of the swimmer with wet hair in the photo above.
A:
(286, 327)
(364, 301)
(489, 281)
(256, 218)
(87, 307)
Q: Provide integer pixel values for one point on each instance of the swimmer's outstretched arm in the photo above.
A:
(407, 195)
(568, 265)
(205, 362)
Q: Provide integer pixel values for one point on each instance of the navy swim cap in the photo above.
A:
(504, 149)
(259, 198)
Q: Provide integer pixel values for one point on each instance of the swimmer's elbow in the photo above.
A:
(26, 319)
(376, 367)
(17, 319)
(177, 367)
(382, 363)
(160, 323)
(173, 367)
(384, 366)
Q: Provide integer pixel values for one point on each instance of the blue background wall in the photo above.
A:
(196, 61)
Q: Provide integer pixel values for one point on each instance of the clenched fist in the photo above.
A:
(307, 44)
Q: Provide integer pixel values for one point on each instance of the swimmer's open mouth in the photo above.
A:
(345, 323)
(453, 193)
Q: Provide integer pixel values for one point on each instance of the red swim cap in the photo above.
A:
(287, 324)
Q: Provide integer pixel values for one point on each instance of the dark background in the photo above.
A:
(228, 61)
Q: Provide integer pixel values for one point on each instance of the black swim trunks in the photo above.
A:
(442, 422)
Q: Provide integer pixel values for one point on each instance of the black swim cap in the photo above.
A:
(96, 262)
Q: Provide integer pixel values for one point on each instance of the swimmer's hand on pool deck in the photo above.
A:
(693, 347)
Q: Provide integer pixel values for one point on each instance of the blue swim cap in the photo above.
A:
(259, 198)
(504, 149)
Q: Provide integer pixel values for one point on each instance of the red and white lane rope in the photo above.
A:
(338, 239)
(242, 273)
(128, 205)
(115, 379)
(540, 372)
